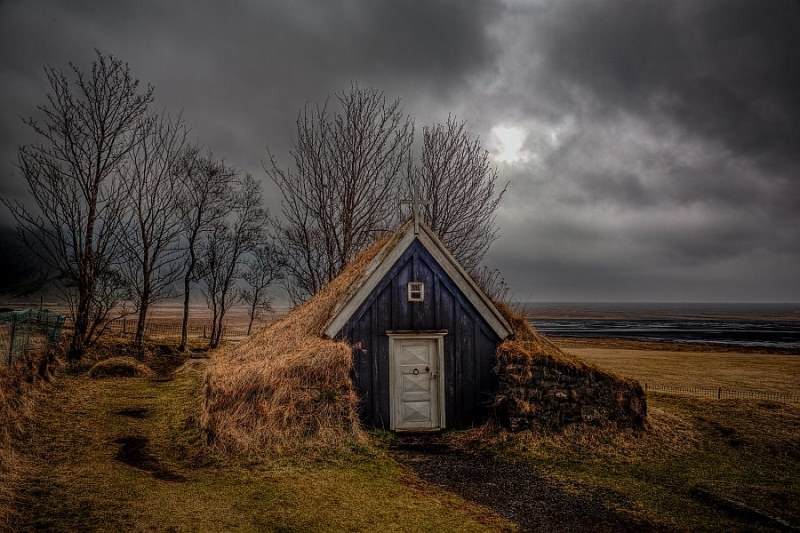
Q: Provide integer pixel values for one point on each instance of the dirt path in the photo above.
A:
(514, 491)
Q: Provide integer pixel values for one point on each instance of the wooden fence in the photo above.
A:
(172, 329)
(723, 393)
(22, 332)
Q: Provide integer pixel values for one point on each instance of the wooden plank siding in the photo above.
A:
(468, 346)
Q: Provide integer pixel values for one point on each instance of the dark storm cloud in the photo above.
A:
(729, 70)
(662, 142)
(240, 71)
(660, 153)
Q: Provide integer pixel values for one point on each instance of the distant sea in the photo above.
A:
(730, 324)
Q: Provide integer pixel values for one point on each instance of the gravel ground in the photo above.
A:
(514, 491)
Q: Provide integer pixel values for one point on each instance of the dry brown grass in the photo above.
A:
(19, 384)
(76, 480)
(519, 358)
(527, 343)
(668, 434)
(286, 388)
(769, 373)
(117, 367)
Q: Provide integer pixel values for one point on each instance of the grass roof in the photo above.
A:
(622, 399)
(286, 386)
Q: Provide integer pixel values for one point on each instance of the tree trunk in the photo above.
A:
(80, 327)
(185, 322)
(77, 345)
(220, 325)
(187, 280)
(212, 341)
(256, 295)
(138, 339)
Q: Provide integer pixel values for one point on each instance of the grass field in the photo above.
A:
(730, 451)
(742, 450)
(125, 454)
(763, 372)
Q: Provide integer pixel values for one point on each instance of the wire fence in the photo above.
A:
(723, 393)
(22, 332)
(153, 330)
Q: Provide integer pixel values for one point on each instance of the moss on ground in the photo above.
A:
(127, 454)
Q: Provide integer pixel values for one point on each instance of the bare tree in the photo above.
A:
(454, 175)
(206, 189)
(88, 130)
(344, 187)
(225, 248)
(491, 283)
(264, 267)
(150, 237)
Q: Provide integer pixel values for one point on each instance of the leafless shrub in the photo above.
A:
(491, 283)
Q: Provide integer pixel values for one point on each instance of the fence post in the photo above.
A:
(11, 338)
(719, 393)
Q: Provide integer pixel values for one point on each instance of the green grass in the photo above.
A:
(74, 482)
(740, 450)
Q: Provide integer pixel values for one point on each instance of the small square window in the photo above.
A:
(416, 291)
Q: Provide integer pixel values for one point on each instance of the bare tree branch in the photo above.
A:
(455, 176)
(206, 183)
(344, 187)
(151, 233)
(225, 247)
(87, 131)
(262, 269)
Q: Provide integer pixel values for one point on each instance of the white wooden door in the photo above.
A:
(416, 383)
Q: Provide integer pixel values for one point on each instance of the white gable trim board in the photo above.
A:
(464, 282)
(383, 262)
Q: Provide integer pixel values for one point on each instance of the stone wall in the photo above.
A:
(553, 390)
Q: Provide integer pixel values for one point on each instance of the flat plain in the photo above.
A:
(695, 366)
(126, 454)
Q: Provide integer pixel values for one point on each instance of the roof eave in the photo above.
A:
(384, 261)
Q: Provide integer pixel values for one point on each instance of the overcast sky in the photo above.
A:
(653, 148)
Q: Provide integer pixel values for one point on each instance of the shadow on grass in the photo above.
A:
(133, 451)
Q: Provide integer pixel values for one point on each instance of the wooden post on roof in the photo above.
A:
(415, 202)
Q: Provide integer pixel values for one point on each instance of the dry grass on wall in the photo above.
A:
(540, 385)
(19, 383)
(286, 388)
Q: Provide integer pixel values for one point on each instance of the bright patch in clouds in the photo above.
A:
(508, 141)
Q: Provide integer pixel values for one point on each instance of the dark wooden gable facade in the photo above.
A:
(471, 337)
